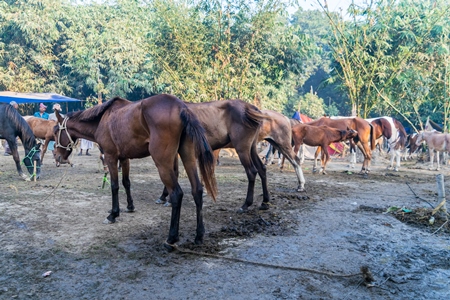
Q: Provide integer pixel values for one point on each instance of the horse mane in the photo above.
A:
(96, 112)
(435, 126)
(21, 126)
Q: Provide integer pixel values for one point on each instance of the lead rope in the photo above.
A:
(364, 269)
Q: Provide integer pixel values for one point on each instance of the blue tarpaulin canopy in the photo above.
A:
(34, 97)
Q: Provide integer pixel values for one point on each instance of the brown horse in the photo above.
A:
(161, 126)
(276, 129)
(365, 134)
(234, 124)
(321, 136)
(42, 129)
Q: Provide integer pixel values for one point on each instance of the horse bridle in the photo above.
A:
(63, 126)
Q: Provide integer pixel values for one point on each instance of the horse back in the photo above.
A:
(274, 126)
(41, 128)
(228, 121)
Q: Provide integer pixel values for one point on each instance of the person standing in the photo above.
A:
(7, 149)
(85, 145)
(41, 113)
(52, 116)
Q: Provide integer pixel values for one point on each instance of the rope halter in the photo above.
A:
(63, 126)
(30, 155)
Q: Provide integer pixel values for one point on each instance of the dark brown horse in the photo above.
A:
(12, 125)
(234, 124)
(276, 129)
(362, 140)
(161, 126)
(320, 136)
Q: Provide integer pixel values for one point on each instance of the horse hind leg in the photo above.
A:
(190, 166)
(398, 156)
(263, 176)
(163, 198)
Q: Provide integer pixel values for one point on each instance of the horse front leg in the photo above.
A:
(437, 161)
(125, 163)
(44, 150)
(114, 179)
(431, 158)
(15, 154)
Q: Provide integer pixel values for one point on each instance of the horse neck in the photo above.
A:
(83, 130)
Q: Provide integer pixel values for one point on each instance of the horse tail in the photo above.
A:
(204, 153)
(402, 137)
(372, 138)
(253, 117)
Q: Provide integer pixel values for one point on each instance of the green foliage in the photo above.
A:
(311, 105)
(388, 58)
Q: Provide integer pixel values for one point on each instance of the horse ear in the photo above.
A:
(58, 116)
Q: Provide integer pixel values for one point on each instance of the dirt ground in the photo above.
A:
(343, 222)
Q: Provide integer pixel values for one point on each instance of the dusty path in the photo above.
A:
(338, 226)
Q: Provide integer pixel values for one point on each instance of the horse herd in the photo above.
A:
(165, 128)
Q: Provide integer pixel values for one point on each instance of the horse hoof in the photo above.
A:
(167, 204)
(159, 201)
(264, 206)
(130, 210)
(242, 210)
(301, 189)
(170, 247)
(71, 165)
(106, 221)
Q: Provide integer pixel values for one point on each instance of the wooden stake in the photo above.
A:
(34, 171)
(441, 194)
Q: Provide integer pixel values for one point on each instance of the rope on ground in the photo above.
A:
(417, 196)
(364, 269)
(56, 187)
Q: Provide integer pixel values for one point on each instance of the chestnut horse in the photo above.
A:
(161, 126)
(12, 125)
(321, 136)
(362, 140)
(276, 129)
(234, 124)
(42, 129)
(436, 141)
(395, 134)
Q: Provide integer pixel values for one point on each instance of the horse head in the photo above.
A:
(31, 156)
(63, 141)
(420, 138)
(350, 133)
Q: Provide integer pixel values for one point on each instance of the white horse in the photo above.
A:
(436, 141)
(395, 134)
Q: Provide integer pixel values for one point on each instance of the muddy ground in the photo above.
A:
(341, 224)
